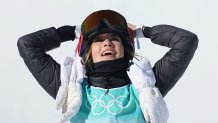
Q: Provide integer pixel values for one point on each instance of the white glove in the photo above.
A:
(153, 106)
(141, 73)
(151, 101)
(78, 70)
(74, 103)
(66, 65)
(74, 99)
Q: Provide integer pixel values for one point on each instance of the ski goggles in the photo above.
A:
(112, 18)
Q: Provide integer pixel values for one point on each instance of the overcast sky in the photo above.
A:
(194, 98)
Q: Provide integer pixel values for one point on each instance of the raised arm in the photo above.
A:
(173, 64)
(33, 47)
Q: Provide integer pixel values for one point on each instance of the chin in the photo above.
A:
(108, 59)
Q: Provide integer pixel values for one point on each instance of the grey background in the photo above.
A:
(194, 99)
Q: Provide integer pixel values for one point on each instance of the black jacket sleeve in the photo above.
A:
(172, 65)
(32, 48)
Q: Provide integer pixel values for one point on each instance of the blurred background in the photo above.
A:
(193, 99)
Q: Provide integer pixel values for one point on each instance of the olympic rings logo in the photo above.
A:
(113, 106)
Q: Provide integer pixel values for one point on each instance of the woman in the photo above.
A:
(115, 87)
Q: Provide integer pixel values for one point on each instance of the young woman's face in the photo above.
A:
(107, 46)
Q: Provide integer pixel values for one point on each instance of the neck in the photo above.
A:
(110, 74)
(117, 65)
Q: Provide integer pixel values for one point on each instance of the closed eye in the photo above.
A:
(98, 39)
(114, 39)
(110, 37)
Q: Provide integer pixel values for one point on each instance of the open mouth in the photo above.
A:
(107, 53)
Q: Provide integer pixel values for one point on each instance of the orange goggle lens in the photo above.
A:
(112, 17)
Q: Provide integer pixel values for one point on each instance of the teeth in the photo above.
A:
(106, 52)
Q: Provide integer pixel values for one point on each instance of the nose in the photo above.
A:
(107, 43)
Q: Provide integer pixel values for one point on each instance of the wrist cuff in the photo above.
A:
(77, 31)
(139, 33)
